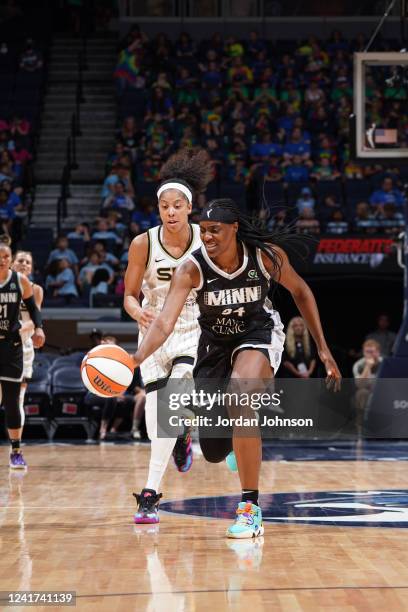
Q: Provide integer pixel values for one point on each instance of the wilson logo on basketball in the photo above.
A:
(102, 384)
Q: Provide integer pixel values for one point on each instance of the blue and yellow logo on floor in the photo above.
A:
(377, 508)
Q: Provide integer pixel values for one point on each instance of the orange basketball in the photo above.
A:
(107, 370)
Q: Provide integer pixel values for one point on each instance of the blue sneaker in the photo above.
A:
(17, 461)
(248, 523)
(231, 462)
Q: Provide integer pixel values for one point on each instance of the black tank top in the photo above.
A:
(234, 306)
(10, 299)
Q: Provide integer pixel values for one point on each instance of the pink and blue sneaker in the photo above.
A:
(148, 507)
(183, 453)
(248, 523)
(17, 461)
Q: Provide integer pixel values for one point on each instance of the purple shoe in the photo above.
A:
(17, 461)
(183, 453)
(148, 507)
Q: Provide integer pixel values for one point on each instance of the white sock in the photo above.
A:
(161, 448)
(23, 390)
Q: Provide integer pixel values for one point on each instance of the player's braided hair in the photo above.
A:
(251, 230)
(191, 166)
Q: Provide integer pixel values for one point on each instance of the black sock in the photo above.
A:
(15, 445)
(250, 496)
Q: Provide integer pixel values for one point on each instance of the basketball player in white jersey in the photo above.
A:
(23, 263)
(153, 257)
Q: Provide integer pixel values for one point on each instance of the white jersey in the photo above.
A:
(28, 347)
(158, 273)
(25, 316)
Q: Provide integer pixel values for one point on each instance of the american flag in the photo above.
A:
(382, 136)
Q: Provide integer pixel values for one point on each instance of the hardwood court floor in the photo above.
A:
(67, 525)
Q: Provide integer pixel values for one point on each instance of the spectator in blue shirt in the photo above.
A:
(81, 232)
(63, 252)
(87, 272)
(255, 44)
(265, 148)
(297, 146)
(386, 195)
(110, 181)
(60, 280)
(212, 77)
(306, 200)
(119, 200)
(104, 233)
(296, 172)
(144, 219)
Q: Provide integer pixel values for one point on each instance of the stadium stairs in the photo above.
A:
(98, 114)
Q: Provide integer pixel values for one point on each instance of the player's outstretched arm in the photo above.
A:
(306, 303)
(185, 278)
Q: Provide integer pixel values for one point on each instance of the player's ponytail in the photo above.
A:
(190, 167)
(251, 231)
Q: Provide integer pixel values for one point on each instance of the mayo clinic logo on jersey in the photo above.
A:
(378, 508)
(226, 297)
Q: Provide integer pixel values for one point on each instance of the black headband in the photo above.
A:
(217, 213)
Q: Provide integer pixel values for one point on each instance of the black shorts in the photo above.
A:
(212, 373)
(11, 359)
(216, 361)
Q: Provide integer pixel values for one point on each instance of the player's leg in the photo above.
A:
(28, 361)
(138, 412)
(211, 371)
(14, 421)
(182, 452)
(252, 365)
(160, 453)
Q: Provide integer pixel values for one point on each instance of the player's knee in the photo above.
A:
(215, 450)
(14, 414)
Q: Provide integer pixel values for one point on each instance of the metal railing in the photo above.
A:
(71, 159)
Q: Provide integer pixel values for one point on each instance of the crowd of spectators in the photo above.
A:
(273, 118)
(21, 78)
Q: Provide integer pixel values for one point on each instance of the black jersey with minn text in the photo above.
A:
(10, 300)
(234, 306)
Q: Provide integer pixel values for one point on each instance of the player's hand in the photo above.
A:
(333, 379)
(38, 338)
(147, 317)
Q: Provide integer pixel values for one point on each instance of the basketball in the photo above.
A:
(107, 370)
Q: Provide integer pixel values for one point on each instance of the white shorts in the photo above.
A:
(28, 358)
(180, 347)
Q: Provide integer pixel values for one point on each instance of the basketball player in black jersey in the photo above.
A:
(14, 288)
(241, 334)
